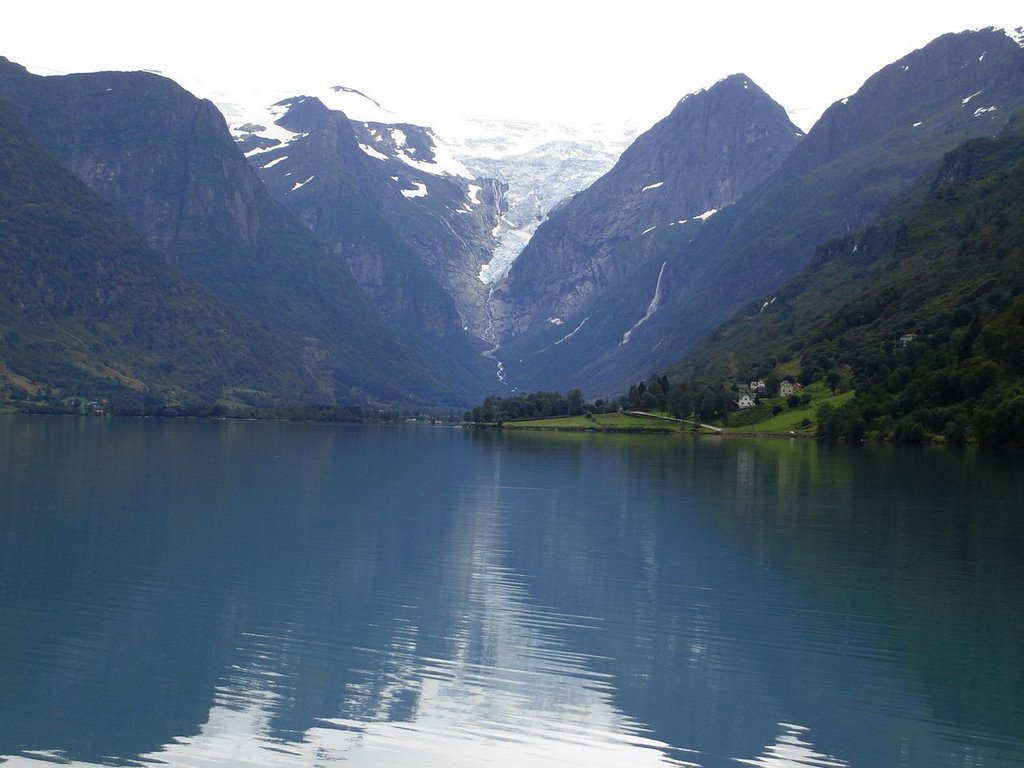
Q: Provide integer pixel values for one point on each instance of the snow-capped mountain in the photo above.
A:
(541, 164)
(608, 264)
(414, 223)
(427, 224)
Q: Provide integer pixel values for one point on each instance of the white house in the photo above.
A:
(745, 401)
(785, 388)
(756, 385)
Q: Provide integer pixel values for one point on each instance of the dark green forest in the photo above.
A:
(922, 314)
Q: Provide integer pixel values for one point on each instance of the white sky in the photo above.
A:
(437, 60)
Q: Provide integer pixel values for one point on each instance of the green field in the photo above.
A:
(602, 422)
(802, 420)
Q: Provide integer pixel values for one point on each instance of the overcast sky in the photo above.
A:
(434, 60)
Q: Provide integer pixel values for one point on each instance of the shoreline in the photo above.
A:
(639, 430)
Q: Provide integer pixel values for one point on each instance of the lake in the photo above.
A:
(205, 593)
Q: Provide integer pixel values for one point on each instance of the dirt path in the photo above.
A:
(669, 418)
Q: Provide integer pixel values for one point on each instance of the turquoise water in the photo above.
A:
(213, 593)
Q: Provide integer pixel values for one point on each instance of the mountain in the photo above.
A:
(715, 145)
(90, 310)
(922, 313)
(414, 225)
(426, 224)
(166, 161)
(684, 280)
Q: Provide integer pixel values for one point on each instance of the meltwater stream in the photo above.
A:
(229, 594)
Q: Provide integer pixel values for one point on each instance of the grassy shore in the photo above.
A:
(603, 422)
(801, 421)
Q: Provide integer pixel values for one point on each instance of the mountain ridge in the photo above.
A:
(168, 162)
(772, 230)
(725, 138)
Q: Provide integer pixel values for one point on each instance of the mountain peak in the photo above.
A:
(737, 79)
(300, 114)
(357, 105)
(714, 96)
(731, 83)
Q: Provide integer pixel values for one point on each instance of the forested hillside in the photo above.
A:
(88, 309)
(921, 314)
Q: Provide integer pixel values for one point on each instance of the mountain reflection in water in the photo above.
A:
(205, 593)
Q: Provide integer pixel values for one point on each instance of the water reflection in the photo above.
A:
(792, 749)
(253, 594)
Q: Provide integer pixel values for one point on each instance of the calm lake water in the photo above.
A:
(210, 593)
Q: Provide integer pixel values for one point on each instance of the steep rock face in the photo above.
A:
(320, 177)
(715, 145)
(446, 215)
(149, 146)
(865, 151)
(431, 223)
(167, 161)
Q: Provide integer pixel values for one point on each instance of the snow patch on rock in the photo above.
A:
(419, 191)
(574, 332)
(367, 149)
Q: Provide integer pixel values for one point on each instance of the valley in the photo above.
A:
(397, 264)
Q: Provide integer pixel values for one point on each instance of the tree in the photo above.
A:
(680, 401)
(632, 398)
(574, 401)
(967, 345)
(832, 379)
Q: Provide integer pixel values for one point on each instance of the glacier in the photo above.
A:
(543, 163)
